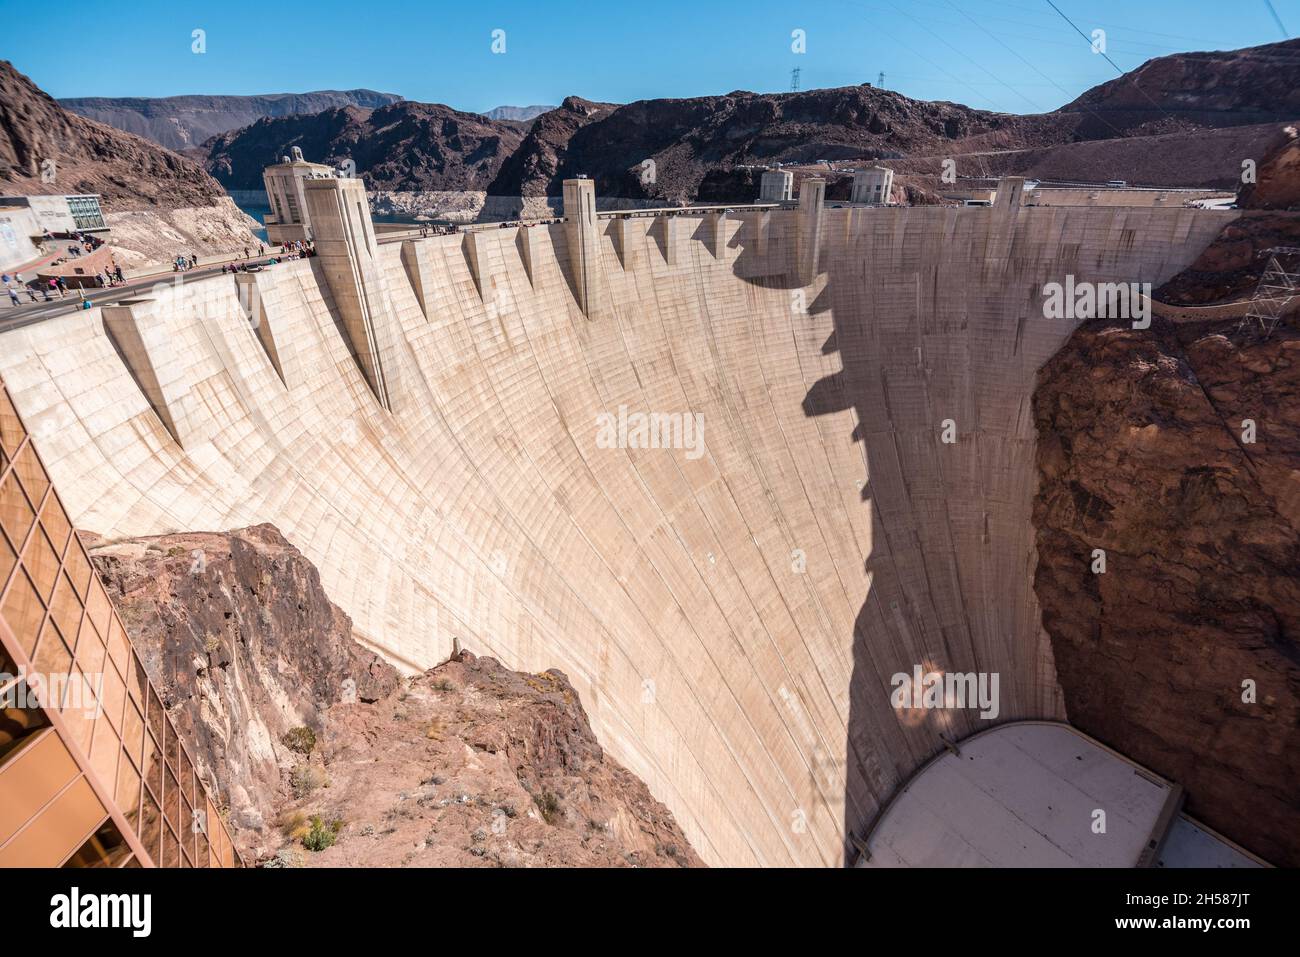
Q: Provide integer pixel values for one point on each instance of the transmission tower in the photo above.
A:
(1278, 286)
(794, 80)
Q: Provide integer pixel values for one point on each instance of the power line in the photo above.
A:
(980, 66)
(1127, 28)
(1136, 85)
(927, 61)
(1016, 54)
(1086, 38)
(1280, 25)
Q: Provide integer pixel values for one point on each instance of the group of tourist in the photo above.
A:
(84, 244)
(38, 290)
(13, 284)
(112, 276)
(296, 250)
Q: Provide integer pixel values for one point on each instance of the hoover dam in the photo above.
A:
(846, 497)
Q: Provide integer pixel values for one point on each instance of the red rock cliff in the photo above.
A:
(1141, 454)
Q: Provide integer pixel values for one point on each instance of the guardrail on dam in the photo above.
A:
(442, 426)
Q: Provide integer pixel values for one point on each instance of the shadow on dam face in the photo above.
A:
(732, 619)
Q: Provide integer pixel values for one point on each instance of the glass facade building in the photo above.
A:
(86, 212)
(92, 772)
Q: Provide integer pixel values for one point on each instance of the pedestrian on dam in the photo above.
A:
(13, 295)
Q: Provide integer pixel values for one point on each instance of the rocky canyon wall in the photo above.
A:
(1176, 451)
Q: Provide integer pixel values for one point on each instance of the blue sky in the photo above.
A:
(1012, 55)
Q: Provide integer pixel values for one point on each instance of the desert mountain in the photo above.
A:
(700, 146)
(535, 165)
(184, 122)
(697, 143)
(689, 139)
(88, 157)
(1194, 91)
(402, 146)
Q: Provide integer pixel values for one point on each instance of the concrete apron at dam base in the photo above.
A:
(453, 430)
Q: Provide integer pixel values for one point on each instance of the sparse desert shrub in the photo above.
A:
(285, 857)
(305, 778)
(294, 825)
(548, 804)
(299, 739)
(321, 834)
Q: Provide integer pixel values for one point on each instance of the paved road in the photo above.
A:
(14, 317)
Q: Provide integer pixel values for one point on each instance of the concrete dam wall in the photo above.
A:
(460, 467)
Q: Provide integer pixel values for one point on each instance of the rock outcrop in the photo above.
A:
(533, 169)
(1229, 268)
(1203, 158)
(467, 764)
(471, 764)
(691, 139)
(46, 149)
(142, 236)
(402, 146)
(1185, 653)
(243, 645)
(1194, 90)
(1276, 185)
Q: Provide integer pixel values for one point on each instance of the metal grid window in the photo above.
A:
(86, 212)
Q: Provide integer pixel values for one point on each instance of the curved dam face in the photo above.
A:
(731, 609)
